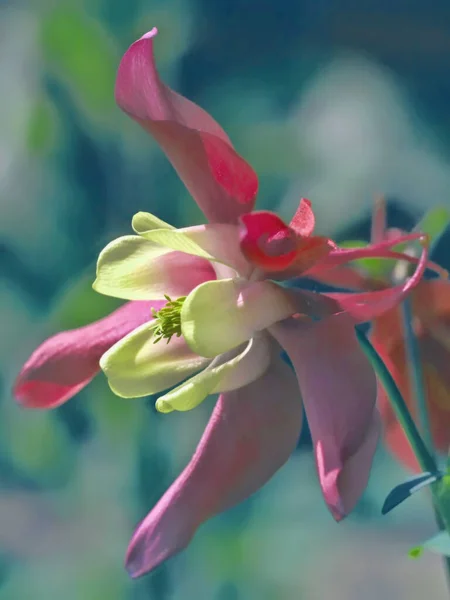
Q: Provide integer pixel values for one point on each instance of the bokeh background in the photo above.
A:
(335, 101)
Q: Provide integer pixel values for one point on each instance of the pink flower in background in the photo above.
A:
(430, 305)
(225, 327)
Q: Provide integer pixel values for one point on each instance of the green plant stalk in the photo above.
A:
(416, 376)
(424, 458)
(440, 492)
(427, 462)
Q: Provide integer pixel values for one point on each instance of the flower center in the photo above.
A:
(168, 319)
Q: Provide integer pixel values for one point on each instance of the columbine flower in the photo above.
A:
(207, 316)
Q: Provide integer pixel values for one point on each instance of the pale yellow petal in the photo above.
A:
(220, 315)
(230, 371)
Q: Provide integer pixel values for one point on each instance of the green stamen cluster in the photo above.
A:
(168, 319)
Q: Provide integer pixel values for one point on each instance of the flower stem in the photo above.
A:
(425, 459)
(418, 384)
(416, 375)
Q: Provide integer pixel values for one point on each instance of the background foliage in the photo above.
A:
(332, 101)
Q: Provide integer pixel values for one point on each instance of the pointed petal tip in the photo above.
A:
(223, 184)
(150, 34)
(41, 395)
(154, 542)
(137, 562)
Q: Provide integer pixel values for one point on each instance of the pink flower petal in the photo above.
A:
(381, 250)
(65, 363)
(303, 221)
(366, 306)
(221, 182)
(250, 435)
(268, 243)
(338, 388)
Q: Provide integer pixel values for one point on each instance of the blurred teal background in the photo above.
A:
(332, 101)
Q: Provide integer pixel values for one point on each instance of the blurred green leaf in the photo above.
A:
(439, 544)
(80, 304)
(79, 48)
(37, 443)
(119, 419)
(102, 582)
(434, 223)
(42, 127)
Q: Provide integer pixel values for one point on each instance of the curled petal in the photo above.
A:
(303, 221)
(381, 250)
(66, 362)
(369, 305)
(338, 388)
(250, 435)
(221, 182)
(143, 222)
(268, 243)
(136, 366)
(229, 371)
(133, 268)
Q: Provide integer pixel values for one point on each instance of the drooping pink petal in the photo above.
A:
(250, 435)
(268, 243)
(338, 388)
(65, 363)
(303, 221)
(221, 182)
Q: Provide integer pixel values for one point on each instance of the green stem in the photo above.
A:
(424, 458)
(416, 375)
(417, 379)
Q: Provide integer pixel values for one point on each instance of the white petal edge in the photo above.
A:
(227, 372)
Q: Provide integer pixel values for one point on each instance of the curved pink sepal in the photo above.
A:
(62, 365)
(222, 183)
(251, 434)
(338, 388)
